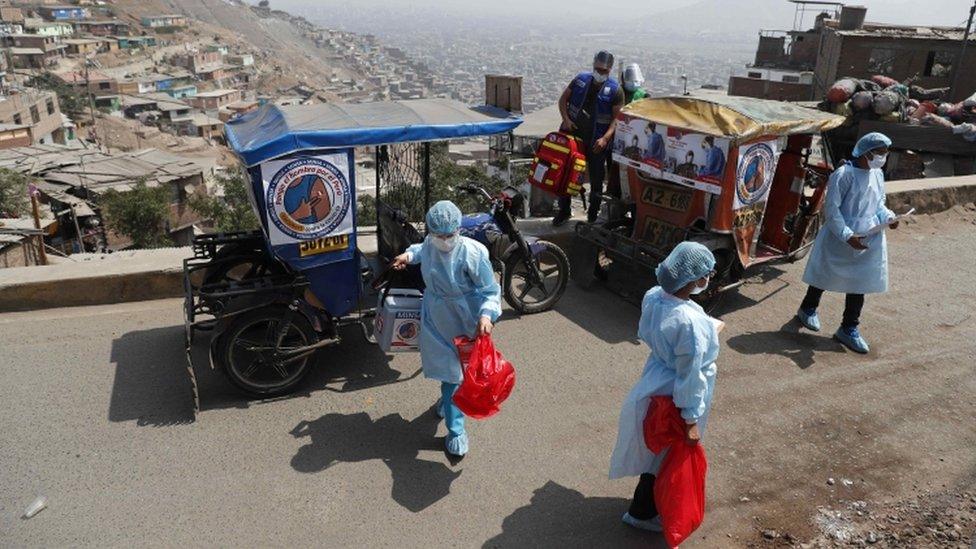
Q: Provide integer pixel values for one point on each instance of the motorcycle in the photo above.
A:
(534, 273)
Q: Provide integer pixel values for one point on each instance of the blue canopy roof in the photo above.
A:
(274, 131)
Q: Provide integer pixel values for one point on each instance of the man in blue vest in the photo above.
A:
(589, 107)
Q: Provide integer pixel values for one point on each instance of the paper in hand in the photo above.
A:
(878, 228)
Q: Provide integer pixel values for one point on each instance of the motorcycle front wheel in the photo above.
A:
(527, 293)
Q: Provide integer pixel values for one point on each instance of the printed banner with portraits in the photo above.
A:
(684, 157)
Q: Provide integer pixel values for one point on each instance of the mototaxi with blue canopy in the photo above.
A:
(272, 297)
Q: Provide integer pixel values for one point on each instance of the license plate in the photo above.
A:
(323, 245)
(669, 199)
(657, 233)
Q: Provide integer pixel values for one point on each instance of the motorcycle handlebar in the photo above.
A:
(472, 188)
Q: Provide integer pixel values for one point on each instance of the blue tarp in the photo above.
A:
(274, 131)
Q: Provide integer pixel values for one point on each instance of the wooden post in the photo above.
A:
(81, 242)
(42, 254)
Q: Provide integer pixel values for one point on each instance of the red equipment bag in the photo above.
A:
(559, 165)
(488, 377)
(679, 489)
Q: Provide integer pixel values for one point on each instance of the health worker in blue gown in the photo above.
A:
(461, 298)
(850, 254)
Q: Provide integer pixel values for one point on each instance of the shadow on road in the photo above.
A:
(601, 313)
(788, 341)
(562, 517)
(770, 277)
(340, 438)
(152, 385)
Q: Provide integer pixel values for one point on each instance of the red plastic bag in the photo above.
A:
(488, 377)
(679, 489)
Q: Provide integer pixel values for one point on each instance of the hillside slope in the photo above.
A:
(278, 41)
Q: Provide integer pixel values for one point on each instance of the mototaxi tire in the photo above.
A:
(245, 350)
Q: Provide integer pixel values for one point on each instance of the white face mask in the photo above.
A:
(445, 244)
(599, 78)
(877, 161)
(700, 289)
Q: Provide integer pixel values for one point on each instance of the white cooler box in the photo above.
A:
(397, 324)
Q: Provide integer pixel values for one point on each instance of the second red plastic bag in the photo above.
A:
(488, 377)
(679, 489)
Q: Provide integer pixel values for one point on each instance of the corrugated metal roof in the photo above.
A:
(97, 170)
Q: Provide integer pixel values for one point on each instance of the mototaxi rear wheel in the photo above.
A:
(253, 350)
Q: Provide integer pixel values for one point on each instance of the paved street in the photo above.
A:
(96, 415)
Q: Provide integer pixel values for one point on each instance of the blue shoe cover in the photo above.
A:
(851, 338)
(457, 445)
(809, 319)
(651, 525)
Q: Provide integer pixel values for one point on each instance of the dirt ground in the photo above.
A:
(126, 134)
(808, 445)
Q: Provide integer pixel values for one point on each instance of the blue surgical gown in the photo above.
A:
(684, 346)
(855, 203)
(461, 288)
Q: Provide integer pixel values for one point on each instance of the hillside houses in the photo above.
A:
(63, 13)
(109, 27)
(164, 21)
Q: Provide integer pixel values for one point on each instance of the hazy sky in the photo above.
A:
(923, 12)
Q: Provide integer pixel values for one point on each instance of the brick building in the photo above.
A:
(36, 110)
(929, 55)
(98, 83)
(213, 100)
(802, 64)
(112, 27)
(82, 46)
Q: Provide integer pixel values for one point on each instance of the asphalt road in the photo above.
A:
(96, 415)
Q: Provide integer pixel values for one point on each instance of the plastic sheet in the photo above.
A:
(488, 377)
(679, 488)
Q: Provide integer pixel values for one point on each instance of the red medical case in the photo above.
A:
(559, 165)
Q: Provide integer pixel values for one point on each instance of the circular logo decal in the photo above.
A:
(308, 198)
(408, 330)
(755, 174)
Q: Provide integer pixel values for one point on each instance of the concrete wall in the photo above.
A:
(768, 89)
